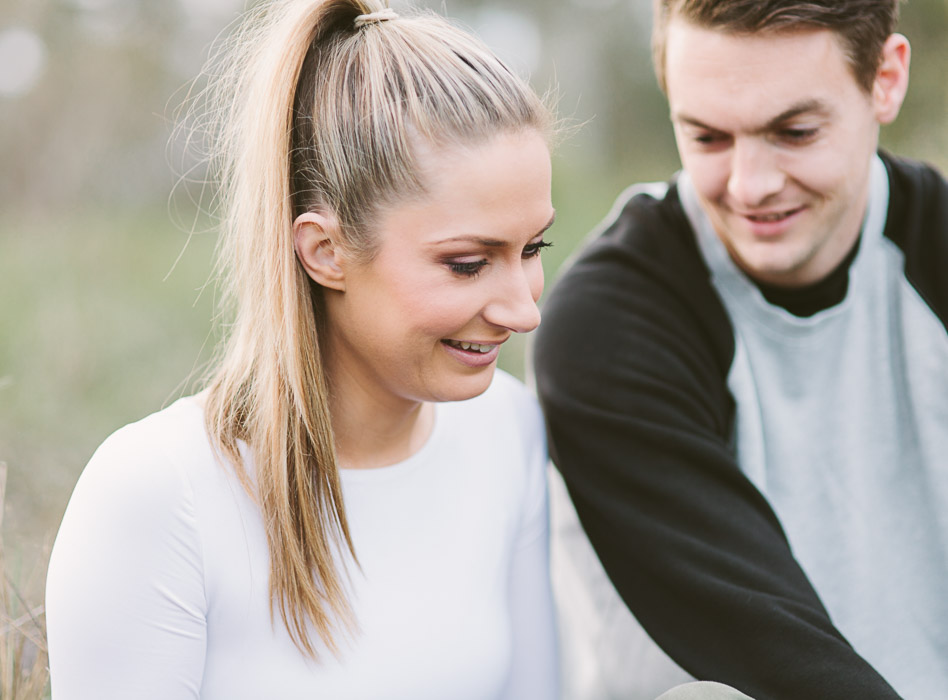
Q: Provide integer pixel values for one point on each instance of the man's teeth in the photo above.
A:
(770, 217)
(475, 347)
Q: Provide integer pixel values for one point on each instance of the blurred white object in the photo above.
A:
(22, 60)
(605, 652)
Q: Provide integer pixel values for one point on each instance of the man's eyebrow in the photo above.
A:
(490, 242)
(804, 107)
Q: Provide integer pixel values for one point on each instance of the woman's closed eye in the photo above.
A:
(473, 267)
(467, 268)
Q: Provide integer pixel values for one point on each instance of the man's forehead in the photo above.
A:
(760, 79)
(711, 43)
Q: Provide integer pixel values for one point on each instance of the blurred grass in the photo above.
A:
(98, 327)
(24, 670)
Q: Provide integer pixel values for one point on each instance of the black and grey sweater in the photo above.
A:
(767, 490)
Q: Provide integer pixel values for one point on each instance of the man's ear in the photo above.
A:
(316, 236)
(891, 83)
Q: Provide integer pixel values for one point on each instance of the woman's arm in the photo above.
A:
(125, 594)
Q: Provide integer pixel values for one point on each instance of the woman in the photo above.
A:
(318, 522)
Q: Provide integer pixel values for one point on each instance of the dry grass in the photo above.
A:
(24, 666)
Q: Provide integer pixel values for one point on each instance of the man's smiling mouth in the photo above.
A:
(772, 216)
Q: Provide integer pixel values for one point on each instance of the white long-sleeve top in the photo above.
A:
(158, 581)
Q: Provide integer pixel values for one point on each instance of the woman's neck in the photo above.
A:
(372, 431)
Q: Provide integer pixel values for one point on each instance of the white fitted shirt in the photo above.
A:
(158, 581)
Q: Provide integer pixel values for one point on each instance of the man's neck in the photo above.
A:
(810, 299)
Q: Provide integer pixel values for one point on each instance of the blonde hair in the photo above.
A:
(316, 113)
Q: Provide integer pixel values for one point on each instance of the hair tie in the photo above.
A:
(375, 17)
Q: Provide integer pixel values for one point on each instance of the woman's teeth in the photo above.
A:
(473, 347)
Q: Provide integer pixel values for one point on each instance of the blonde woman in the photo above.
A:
(355, 507)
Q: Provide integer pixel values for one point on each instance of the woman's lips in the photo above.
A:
(472, 354)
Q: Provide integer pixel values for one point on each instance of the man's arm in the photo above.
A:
(631, 362)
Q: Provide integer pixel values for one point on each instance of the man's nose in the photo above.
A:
(755, 175)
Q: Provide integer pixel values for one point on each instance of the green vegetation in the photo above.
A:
(100, 327)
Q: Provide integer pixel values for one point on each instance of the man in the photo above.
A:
(746, 373)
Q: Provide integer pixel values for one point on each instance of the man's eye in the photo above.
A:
(799, 135)
(710, 139)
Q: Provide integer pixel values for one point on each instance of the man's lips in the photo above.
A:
(769, 217)
(769, 224)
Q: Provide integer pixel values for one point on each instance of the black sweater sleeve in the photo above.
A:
(631, 362)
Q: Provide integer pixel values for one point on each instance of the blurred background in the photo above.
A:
(105, 310)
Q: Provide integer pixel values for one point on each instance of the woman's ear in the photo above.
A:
(891, 84)
(316, 236)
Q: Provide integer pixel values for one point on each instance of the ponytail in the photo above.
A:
(313, 111)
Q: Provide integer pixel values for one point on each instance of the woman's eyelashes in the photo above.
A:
(533, 249)
(467, 268)
(471, 268)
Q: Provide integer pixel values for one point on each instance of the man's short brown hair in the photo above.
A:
(862, 25)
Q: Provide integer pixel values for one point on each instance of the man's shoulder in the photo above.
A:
(912, 169)
(646, 222)
(645, 249)
(917, 223)
(918, 192)
(638, 290)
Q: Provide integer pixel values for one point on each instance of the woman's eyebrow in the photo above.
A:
(488, 242)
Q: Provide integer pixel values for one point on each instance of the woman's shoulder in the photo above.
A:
(129, 552)
(150, 461)
(184, 418)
